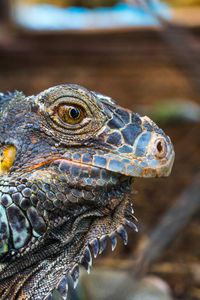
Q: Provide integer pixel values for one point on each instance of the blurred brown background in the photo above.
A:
(151, 70)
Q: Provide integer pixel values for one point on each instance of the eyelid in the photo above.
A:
(70, 101)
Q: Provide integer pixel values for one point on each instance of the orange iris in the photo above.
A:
(71, 114)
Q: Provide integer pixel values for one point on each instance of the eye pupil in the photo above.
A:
(74, 113)
(71, 114)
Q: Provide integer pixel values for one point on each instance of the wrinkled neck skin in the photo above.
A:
(68, 157)
(65, 245)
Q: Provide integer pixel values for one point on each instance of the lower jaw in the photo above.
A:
(99, 223)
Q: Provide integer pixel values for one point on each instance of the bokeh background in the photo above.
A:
(146, 55)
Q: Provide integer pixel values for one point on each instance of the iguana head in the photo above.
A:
(68, 157)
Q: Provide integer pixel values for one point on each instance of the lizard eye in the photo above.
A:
(71, 114)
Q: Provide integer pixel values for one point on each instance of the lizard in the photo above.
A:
(68, 157)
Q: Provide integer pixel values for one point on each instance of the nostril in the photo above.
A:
(160, 148)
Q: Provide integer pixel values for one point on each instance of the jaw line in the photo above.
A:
(163, 170)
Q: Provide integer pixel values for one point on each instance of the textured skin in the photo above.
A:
(69, 186)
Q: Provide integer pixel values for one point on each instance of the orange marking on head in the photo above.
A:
(38, 165)
(7, 159)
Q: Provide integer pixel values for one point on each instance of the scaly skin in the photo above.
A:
(68, 157)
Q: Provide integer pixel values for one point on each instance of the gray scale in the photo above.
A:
(142, 143)
(100, 182)
(100, 161)
(57, 203)
(17, 197)
(26, 192)
(12, 190)
(21, 187)
(5, 189)
(34, 200)
(25, 203)
(72, 198)
(6, 200)
(130, 133)
(116, 166)
(48, 205)
(41, 196)
(77, 193)
(19, 226)
(87, 195)
(60, 196)
(50, 195)
(36, 221)
(134, 169)
(59, 187)
(34, 188)
(87, 158)
(76, 156)
(4, 231)
(115, 138)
